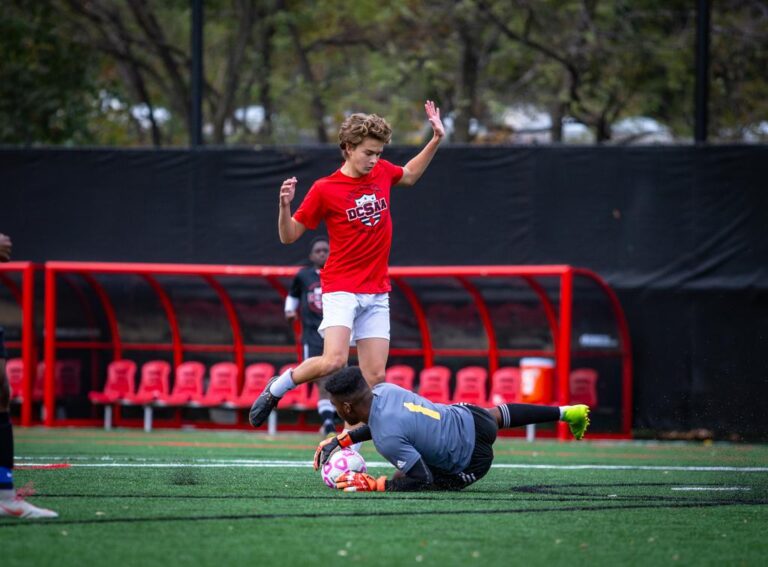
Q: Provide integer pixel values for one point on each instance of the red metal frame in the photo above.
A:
(234, 323)
(25, 297)
(170, 313)
(297, 330)
(418, 310)
(91, 318)
(625, 346)
(485, 317)
(559, 323)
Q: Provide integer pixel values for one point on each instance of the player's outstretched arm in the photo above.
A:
(290, 229)
(414, 169)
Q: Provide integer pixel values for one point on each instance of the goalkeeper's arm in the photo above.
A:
(418, 477)
(345, 439)
(360, 434)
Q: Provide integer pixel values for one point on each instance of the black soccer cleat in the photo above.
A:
(263, 405)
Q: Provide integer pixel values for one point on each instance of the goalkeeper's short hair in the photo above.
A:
(346, 382)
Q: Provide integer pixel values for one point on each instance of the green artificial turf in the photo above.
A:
(202, 498)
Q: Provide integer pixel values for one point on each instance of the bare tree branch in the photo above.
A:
(146, 19)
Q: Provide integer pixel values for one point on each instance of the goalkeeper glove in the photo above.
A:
(328, 446)
(360, 482)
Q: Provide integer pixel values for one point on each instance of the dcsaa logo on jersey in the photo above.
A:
(315, 298)
(367, 210)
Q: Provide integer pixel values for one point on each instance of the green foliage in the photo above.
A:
(46, 89)
(74, 71)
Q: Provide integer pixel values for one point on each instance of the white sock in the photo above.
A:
(8, 494)
(324, 405)
(283, 384)
(562, 411)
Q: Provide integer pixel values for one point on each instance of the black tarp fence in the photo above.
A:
(681, 233)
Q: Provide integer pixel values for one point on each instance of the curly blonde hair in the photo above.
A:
(359, 126)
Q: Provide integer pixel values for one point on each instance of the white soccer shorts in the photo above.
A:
(366, 314)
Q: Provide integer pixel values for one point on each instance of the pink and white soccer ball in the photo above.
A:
(342, 461)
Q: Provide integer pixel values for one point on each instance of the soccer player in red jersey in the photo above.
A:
(354, 202)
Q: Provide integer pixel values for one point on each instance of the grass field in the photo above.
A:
(201, 498)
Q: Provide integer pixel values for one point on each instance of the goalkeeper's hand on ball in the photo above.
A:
(360, 482)
(328, 446)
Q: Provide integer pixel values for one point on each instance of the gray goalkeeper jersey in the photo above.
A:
(406, 427)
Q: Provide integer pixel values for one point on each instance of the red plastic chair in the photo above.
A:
(222, 388)
(187, 386)
(434, 384)
(257, 376)
(583, 383)
(400, 375)
(66, 374)
(471, 386)
(505, 386)
(121, 375)
(38, 388)
(14, 370)
(154, 383)
(313, 396)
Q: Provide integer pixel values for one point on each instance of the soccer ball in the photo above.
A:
(340, 462)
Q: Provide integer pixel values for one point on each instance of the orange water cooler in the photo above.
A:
(537, 378)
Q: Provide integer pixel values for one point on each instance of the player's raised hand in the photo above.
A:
(5, 248)
(328, 446)
(287, 191)
(360, 482)
(433, 115)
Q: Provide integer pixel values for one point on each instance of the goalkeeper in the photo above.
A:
(433, 446)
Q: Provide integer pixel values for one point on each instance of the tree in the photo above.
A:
(45, 82)
(117, 71)
(595, 57)
(739, 89)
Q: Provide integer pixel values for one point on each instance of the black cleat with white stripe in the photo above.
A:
(263, 405)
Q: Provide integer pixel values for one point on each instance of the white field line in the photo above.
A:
(711, 488)
(262, 463)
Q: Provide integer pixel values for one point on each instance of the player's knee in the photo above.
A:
(333, 363)
(374, 377)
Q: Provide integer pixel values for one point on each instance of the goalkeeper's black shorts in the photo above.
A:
(482, 456)
(3, 352)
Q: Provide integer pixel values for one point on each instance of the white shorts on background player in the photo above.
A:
(366, 314)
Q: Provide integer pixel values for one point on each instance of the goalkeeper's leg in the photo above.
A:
(516, 415)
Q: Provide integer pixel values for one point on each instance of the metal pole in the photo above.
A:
(196, 76)
(28, 341)
(701, 112)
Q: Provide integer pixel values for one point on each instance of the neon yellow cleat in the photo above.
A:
(577, 418)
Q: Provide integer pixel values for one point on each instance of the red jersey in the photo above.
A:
(356, 212)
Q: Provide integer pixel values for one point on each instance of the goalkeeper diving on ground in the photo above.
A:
(432, 446)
